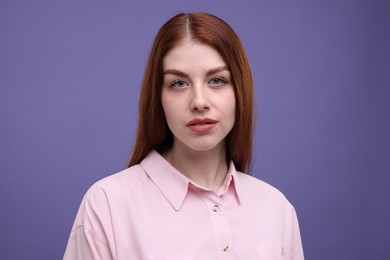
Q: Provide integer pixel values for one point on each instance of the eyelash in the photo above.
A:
(221, 81)
(173, 84)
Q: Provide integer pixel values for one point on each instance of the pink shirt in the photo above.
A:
(152, 211)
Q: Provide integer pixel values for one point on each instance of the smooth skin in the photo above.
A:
(199, 105)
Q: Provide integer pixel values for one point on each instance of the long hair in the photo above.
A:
(153, 131)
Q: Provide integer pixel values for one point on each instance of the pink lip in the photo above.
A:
(202, 125)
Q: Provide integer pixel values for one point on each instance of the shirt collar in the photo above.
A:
(174, 185)
(231, 180)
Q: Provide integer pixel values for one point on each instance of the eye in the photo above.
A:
(178, 84)
(218, 81)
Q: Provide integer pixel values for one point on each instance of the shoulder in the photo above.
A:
(259, 190)
(113, 194)
(125, 181)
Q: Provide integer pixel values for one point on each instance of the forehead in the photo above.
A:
(191, 54)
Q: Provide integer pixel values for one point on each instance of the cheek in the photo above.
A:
(165, 104)
(173, 103)
(170, 109)
(231, 107)
(165, 107)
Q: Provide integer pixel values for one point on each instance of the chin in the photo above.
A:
(203, 147)
(199, 144)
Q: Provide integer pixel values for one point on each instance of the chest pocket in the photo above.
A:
(270, 252)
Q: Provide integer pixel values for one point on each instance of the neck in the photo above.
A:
(206, 168)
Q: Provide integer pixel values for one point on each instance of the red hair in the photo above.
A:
(153, 131)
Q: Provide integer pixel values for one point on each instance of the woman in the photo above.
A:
(184, 195)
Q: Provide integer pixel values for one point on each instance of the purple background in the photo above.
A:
(70, 74)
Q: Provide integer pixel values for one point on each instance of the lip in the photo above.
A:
(202, 125)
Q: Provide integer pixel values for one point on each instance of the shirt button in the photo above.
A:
(215, 208)
(225, 248)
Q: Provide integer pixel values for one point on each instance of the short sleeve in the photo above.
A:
(88, 238)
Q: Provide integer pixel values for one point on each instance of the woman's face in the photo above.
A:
(197, 97)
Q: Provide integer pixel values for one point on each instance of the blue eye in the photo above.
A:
(178, 84)
(218, 81)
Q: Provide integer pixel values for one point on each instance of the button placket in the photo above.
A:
(220, 225)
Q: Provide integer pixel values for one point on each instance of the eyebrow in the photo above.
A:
(185, 75)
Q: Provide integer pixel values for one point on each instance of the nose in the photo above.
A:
(199, 99)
